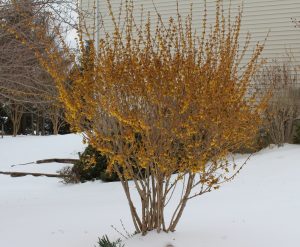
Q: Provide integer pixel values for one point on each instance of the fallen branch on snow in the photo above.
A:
(56, 160)
(22, 174)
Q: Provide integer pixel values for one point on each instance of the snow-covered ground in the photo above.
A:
(260, 208)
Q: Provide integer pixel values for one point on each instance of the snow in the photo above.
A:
(259, 208)
(25, 149)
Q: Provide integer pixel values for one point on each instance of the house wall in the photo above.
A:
(271, 19)
(89, 18)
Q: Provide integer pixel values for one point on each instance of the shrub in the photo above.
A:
(105, 242)
(297, 135)
(180, 90)
(92, 165)
(69, 177)
(284, 105)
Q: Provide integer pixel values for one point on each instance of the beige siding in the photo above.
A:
(88, 16)
(260, 18)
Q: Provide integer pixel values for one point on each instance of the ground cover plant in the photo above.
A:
(105, 242)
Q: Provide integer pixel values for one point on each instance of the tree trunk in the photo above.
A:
(32, 124)
(153, 191)
(55, 124)
(37, 126)
(2, 129)
(43, 123)
(55, 119)
(23, 124)
(16, 116)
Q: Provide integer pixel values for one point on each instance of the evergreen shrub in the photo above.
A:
(297, 135)
(91, 166)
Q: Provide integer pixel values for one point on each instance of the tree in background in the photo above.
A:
(26, 89)
(165, 104)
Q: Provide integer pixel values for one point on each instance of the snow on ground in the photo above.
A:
(26, 149)
(260, 208)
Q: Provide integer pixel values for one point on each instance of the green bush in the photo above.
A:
(105, 242)
(91, 166)
(297, 135)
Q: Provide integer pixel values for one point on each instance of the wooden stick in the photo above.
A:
(56, 160)
(22, 174)
(69, 161)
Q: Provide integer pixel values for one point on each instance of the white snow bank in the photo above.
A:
(260, 208)
(25, 149)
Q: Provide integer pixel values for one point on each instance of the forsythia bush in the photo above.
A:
(165, 105)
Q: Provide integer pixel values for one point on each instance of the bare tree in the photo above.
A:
(23, 81)
(15, 112)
